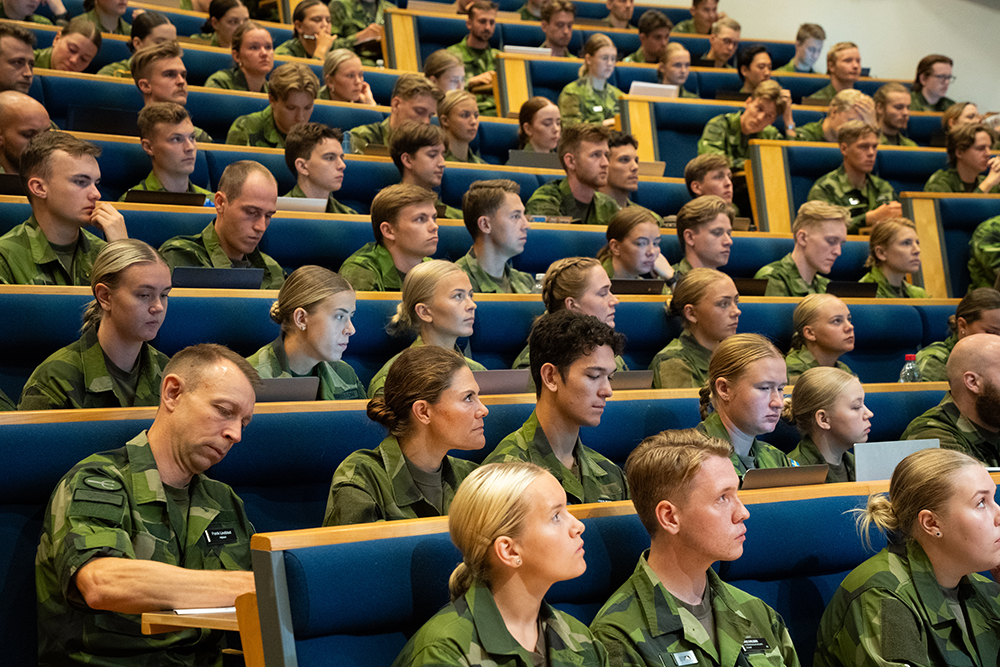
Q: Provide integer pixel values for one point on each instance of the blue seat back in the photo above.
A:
(215, 113)
(548, 78)
(882, 336)
(922, 129)
(958, 220)
(663, 198)
(935, 322)
(799, 86)
(806, 163)
(908, 171)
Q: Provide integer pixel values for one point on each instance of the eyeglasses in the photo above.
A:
(944, 78)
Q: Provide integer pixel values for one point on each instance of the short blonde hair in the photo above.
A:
(831, 55)
(727, 22)
(418, 287)
(770, 90)
(672, 49)
(814, 213)
(334, 59)
(292, 78)
(731, 360)
(854, 130)
(452, 99)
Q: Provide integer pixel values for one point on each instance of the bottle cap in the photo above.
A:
(911, 357)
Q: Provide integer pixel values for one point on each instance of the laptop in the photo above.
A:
(846, 289)
(168, 198)
(648, 89)
(527, 50)
(302, 204)
(273, 390)
(505, 381)
(769, 478)
(10, 184)
(750, 286)
(626, 380)
(874, 461)
(533, 160)
(731, 95)
(622, 286)
(203, 277)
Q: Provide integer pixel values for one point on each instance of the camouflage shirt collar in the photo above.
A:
(403, 487)
(966, 425)
(490, 626)
(218, 256)
(147, 487)
(41, 249)
(97, 378)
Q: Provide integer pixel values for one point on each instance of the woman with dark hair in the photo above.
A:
(224, 18)
(978, 312)
(539, 125)
(147, 28)
(311, 36)
(253, 55)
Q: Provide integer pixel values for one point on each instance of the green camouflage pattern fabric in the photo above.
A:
(231, 79)
(955, 431)
(526, 14)
(984, 254)
(600, 479)
(555, 198)
(806, 453)
(77, 376)
(890, 611)
(835, 188)
(471, 632)
(43, 58)
(371, 269)
(332, 205)
(256, 129)
(6, 405)
(681, 267)
(113, 504)
(31, 18)
(899, 139)
(209, 38)
(374, 133)
(919, 103)
(121, 69)
(886, 290)
(810, 132)
(798, 361)
(377, 386)
(580, 102)
(26, 258)
(376, 485)
(292, 47)
(826, 93)
(948, 180)
(121, 29)
(682, 364)
(474, 157)
(202, 136)
(153, 184)
(687, 26)
(337, 380)
(932, 361)
(478, 61)
(722, 135)
(790, 67)
(446, 212)
(512, 281)
(784, 279)
(348, 18)
(763, 454)
(643, 625)
(204, 250)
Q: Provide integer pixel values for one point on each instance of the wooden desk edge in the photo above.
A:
(158, 622)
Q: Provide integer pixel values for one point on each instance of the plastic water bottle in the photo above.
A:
(537, 289)
(910, 372)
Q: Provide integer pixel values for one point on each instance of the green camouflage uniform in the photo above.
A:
(600, 480)
(337, 380)
(512, 281)
(807, 454)
(790, 67)
(122, 28)
(643, 625)
(43, 58)
(946, 423)
(292, 47)
(153, 184)
(682, 364)
(932, 361)
(377, 386)
(121, 69)
(835, 188)
(555, 198)
(526, 14)
(722, 135)
(891, 611)
(984, 253)
(348, 18)
(763, 454)
(256, 129)
(887, 291)
(898, 140)
(210, 38)
(77, 376)
(638, 57)
(204, 250)
(784, 279)
(523, 360)
(798, 361)
(332, 205)
(374, 133)
(948, 180)
(919, 103)
(446, 212)
(376, 485)
(478, 61)
(471, 632)
(474, 157)
(32, 18)
(687, 26)
(810, 132)
(113, 504)
(826, 94)
(580, 102)
(26, 258)
(371, 269)
(231, 79)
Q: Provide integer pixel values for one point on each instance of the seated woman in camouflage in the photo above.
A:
(344, 80)
(430, 406)
(743, 399)
(311, 36)
(107, 16)
(436, 304)
(253, 58)
(977, 312)
(112, 365)
(707, 303)
(971, 168)
(510, 522)
(445, 70)
(458, 114)
(148, 28)
(893, 252)
(828, 408)
(822, 332)
(591, 99)
(224, 18)
(633, 248)
(314, 308)
(540, 126)
(72, 49)
(919, 601)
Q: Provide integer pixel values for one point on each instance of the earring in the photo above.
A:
(518, 561)
(302, 326)
(938, 533)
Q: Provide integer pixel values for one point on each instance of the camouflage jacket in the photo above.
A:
(807, 454)
(887, 291)
(919, 103)
(826, 93)
(835, 188)
(113, 504)
(371, 269)
(256, 129)
(337, 380)
(474, 157)
(374, 133)
(376, 485)
(643, 625)
(723, 135)
(31, 18)
(798, 361)
(77, 376)
(580, 102)
(332, 205)
(470, 631)
(512, 281)
(687, 26)
(204, 250)
(763, 454)
(291, 47)
(955, 431)
(478, 61)
(810, 132)
(348, 18)
(984, 253)
(948, 180)
(600, 479)
(784, 279)
(932, 361)
(890, 611)
(231, 79)
(153, 184)
(121, 69)
(377, 386)
(682, 364)
(26, 258)
(121, 29)
(790, 67)
(555, 198)
(899, 139)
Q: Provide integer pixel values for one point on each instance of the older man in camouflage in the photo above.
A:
(674, 609)
(142, 528)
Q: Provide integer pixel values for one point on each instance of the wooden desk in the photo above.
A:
(158, 622)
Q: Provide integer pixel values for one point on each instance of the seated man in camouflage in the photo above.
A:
(21, 118)
(414, 99)
(808, 45)
(705, 230)
(968, 417)
(160, 75)
(291, 94)
(477, 55)
(17, 54)
(723, 42)
(141, 528)
(315, 156)
(819, 231)
(704, 14)
(623, 171)
(583, 151)
(729, 134)
(359, 25)
(845, 106)
(244, 204)
(59, 174)
(654, 33)
(968, 148)
(685, 492)
(572, 361)
(166, 134)
(404, 222)
(531, 10)
(417, 150)
(843, 64)
(709, 174)
(867, 198)
(557, 25)
(892, 109)
(619, 14)
(494, 216)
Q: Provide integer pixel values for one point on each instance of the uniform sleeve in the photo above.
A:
(787, 649)
(348, 504)
(621, 651)
(674, 374)
(6, 275)
(569, 107)
(436, 654)
(541, 203)
(879, 630)
(219, 80)
(362, 279)
(340, 25)
(818, 193)
(713, 138)
(238, 134)
(986, 249)
(775, 285)
(48, 390)
(932, 369)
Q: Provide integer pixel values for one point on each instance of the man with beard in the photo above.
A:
(21, 118)
(968, 417)
(892, 107)
(477, 55)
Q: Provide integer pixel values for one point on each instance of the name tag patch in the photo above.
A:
(598, 107)
(755, 645)
(684, 658)
(853, 201)
(221, 536)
